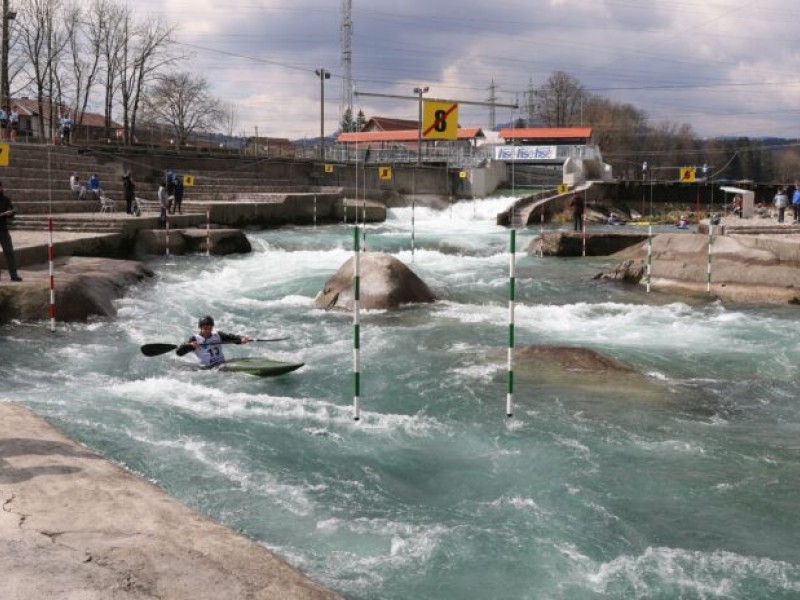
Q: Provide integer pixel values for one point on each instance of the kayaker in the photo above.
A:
(207, 345)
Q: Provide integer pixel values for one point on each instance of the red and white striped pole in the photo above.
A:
(50, 268)
(208, 233)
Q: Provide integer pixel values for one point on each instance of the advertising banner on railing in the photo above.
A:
(524, 153)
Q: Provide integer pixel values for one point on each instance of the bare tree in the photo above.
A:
(146, 50)
(183, 101)
(559, 100)
(86, 33)
(43, 39)
(112, 41)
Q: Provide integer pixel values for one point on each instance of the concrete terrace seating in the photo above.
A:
(40, 173)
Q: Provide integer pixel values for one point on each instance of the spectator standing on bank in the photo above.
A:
(13, 122)
(6, 214)
(578, 206)
(129, 189)
(178, 195)
(796, 202)
(3, 124)
(66, 128)
(781, 201)
(163, 203)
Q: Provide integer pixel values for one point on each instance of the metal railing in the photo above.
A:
(454, 156)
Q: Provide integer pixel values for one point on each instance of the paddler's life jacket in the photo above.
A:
(209, 352)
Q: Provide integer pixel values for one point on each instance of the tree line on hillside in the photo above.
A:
(75, 56)
(628, 139)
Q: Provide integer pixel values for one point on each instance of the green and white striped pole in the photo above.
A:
(710, 234)
(511, 285)
(356, 326)
(541, 231)
(649, 256)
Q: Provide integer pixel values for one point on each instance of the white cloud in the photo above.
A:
(726, 67)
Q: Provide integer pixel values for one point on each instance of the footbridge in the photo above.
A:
(518, 215)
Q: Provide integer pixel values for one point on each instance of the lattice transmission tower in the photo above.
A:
(347, 60)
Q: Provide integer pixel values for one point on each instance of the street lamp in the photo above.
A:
(419, 91)
(323, 75)
(5, 100)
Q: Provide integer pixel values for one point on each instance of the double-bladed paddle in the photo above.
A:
(159, 349)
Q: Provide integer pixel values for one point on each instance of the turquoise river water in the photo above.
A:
(683, 484)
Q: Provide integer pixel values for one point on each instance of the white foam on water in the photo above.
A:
(210, 401)
(670, 572)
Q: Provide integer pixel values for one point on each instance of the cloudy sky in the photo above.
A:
(727, 67)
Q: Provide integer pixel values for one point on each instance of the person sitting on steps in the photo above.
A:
(94, 186)
(78, 189)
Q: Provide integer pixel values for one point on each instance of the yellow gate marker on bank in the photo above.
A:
(563, 188)
(329, 168)
(188, 180)
(385, 173)
(687, 174)
(5, 150)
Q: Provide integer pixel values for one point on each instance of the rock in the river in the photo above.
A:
(386, 283)
(83, 287)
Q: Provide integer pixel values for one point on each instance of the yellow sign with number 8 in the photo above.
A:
(440, 120)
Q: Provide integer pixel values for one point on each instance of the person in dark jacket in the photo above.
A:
(578, 207)
(6, 214)
(207, 345)
(176, 205)
(129, 189)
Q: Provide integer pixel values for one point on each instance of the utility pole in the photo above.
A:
(323, 75)
(492, 103)
(347, 58)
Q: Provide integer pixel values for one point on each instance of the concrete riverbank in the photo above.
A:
(74, 525)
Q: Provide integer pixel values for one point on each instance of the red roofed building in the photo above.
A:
(389, 124)
(91, 126)
(548, 135)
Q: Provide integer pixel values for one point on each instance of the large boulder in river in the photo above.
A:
(83, 287)
(385, 283)
(744, 268)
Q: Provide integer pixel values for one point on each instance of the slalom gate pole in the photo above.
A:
(710, 234)
(51, 251)
(649, 255)
(364, 221)
(208, 233)
(511, 285)
(583, 227)
(541, 232)
(356, 326)
(413, 208)
(315, 211)
(51, 269)
(166, 239)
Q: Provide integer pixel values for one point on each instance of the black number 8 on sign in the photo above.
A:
(441, 121)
